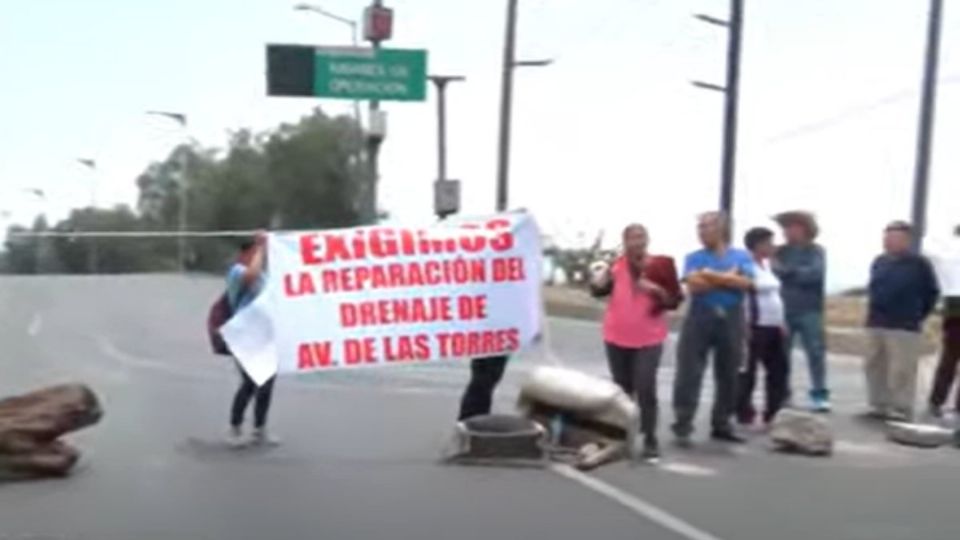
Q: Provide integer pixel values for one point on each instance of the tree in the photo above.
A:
(302, 175)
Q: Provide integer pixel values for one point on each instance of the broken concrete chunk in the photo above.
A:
(30, 425)
(801, 432)
(919, 435)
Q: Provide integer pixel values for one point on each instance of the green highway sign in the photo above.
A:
(353, 73)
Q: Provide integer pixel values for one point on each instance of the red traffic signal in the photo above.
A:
(377, 23)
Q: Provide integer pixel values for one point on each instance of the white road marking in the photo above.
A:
(109, 349)
(863, 449)
(636, 505)
(36, 324)
(688, 469)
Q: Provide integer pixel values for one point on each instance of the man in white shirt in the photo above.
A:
(767, 336)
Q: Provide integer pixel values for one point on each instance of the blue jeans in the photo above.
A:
(808, 327)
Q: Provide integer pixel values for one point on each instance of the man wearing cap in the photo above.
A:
(903, 292)
(801, 267)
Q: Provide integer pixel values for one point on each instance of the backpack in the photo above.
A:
(220, 313)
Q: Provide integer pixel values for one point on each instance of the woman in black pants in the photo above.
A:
(245, 281)
(641, 288)
(768, 337)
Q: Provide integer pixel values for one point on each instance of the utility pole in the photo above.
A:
(446, 191)
(731, 91)
(731, 108)
(510, 63)
(506, 106)
(928, 104)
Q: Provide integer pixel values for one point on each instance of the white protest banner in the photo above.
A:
(383, 295)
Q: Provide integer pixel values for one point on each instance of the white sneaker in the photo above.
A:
(261, 437)
(235, 437)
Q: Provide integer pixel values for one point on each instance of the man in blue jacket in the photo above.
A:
(903, 292)
(801, 267)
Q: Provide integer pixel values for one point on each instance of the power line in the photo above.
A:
(853, 112)
(130, 234)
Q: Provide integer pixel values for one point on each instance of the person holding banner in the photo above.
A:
(245, 280)
(641, 289)
(717, 278)
(485, 375)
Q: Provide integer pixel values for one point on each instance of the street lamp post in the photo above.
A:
(444, 205)
(510, 63)
(42, 197)
(355, 40)
(928, 105)
(93, 254)
(731, 91)
(181, 120)
(441, 82)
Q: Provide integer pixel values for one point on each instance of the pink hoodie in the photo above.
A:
(633, 319)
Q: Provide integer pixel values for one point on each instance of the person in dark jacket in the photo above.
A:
(801, 267)
(903, 292)
(946, 373)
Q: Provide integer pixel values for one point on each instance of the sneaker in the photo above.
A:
(682, 440)
(821, 405)
(235, 437)
(899, 416)
(651, 451)
(727, 435)
(262, 438)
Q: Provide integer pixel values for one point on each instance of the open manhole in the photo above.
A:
(498, 440)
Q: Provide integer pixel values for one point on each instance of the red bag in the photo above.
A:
(220, 313)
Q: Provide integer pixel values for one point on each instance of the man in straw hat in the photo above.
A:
(801, 267)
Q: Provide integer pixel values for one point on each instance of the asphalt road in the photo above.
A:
(359, 459)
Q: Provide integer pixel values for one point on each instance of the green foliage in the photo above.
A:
(307, 174)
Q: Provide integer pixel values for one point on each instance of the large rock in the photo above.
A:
(31, 424)
(920, 435)
(800, 432)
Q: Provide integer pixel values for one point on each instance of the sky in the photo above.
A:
(611, 133)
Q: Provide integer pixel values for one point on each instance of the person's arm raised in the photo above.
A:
(255, 268)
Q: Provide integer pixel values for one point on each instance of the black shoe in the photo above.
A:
(651, 451)
(726, 435)
(935, 411)
(682, 440)
(874, 415)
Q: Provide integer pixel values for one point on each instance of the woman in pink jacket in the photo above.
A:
(641, 289)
